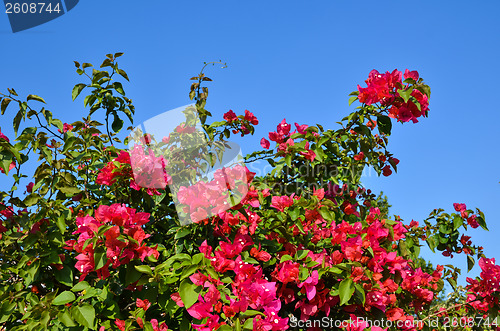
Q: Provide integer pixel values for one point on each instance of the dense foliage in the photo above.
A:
(92, 244)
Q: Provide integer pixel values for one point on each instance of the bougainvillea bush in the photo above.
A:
(85, 246)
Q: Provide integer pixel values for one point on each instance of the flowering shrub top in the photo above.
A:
(95, 244)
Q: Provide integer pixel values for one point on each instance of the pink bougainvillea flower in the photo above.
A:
(201, 309)
(230, 116)
(310, 285)
(265, 143)
(144, 304)
(120, 324)
(249, 116)
(411, 74)
(301, 128)
(281, 202)
(29, 187)
(359, 157)
(66, 127)
(283, 128)
(386, 171)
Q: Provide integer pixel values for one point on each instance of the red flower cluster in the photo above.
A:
(380, 87)
(385, 89)
(66, 127)
(465, 214)
(206, 199)
(285, 142)
(250, 290)
(124, 224)
(241, 123)
(485, 290)
(141, 170)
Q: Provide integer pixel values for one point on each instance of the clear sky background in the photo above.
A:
(297, 60)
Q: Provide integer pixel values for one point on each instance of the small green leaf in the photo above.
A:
(480, 220)
(77, 90)
(301, 254)
(65, 276)
(84, 315)
(4, 104)
(457, 222)
(384, 125)
(182, 233)
(405, 94)
(66, 319)
(119, 88)
(470, 263)
(35, 97)
(352, 99)
(346, 290)
(80, 286)
(117, 124)
(145, 269)
(188, 293)
(122, 73)
(64, 298)
(99, 257)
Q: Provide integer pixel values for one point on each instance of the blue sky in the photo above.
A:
(299, 60)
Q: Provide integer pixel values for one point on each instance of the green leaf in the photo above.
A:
(122, 73)
(64, 298)
(470, 263)
(77, 90)
(182, 233)
(65, 276)
(117, 124)
(352, 99)
(480, 220)
(35, 97)
(4, 104)
(69, 143)
(80, 286)
(384, 125)
(84, 315)
(301, 254)
(188, 293)
(145, 269)
(131, 275)
(405, 94)
(69, 190)
(346, 290)
(17, 121)
(294, 213)
(119, 88)
(286, 257)
(248, 325)
(31, 199)
(99, 257)
(457, 222)
(66, 319)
